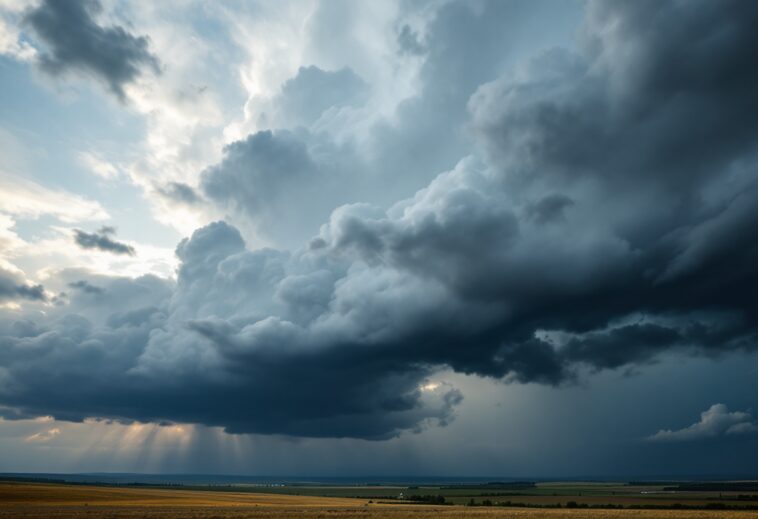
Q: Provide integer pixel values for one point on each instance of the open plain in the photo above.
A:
(57, 501)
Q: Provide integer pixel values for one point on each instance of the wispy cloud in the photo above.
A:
(98, 165)
(26, 199)
(43, 436)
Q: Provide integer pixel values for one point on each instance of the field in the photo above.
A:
(43, 500)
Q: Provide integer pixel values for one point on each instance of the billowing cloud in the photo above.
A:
(279, 373)
(75, 42)
(269, 171)
(101, 240)
(717, 421)
(587, 235)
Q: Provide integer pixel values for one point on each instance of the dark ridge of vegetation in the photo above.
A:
(611, 506)
(22, 479)
(650, 483)
(28, 479)
(429, 499)
(515, 485)
(729, 486)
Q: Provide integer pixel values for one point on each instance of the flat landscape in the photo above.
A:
(47, 500)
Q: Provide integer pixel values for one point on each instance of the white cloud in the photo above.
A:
(97, 165)
(26, 199)
(11, 43)
(43, 436)
(714, 422)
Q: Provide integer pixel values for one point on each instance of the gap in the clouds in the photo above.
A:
(39, 119)
(42, 117)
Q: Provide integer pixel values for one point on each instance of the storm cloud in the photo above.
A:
(76, 42)
(101, 240)
(604, 216)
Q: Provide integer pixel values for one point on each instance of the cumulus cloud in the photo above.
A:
(101, 240)
(273, 181)
(267, 366)
(586, 211)
(75, 42)
(715, 422)
(605, 216)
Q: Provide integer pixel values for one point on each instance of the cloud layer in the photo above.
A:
(600, 213)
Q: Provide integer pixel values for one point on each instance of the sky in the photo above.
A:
(441, 238)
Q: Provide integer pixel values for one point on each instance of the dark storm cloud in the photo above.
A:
(101, 241)
(549, 208)
(641, 220)
(608, 217)
(12, 287)
(247, 373)
(75, 42)
(634, 343)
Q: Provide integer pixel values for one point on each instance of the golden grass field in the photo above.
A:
(42, 500)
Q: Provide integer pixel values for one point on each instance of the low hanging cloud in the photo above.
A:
(590, 228)
(101, 240)
(716, 422)
(75, 42)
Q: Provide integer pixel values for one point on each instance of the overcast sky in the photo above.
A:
(508, 238)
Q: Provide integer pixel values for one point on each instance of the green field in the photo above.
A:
(541, 494)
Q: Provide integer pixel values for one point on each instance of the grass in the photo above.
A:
(20, 494)
(54, 501)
